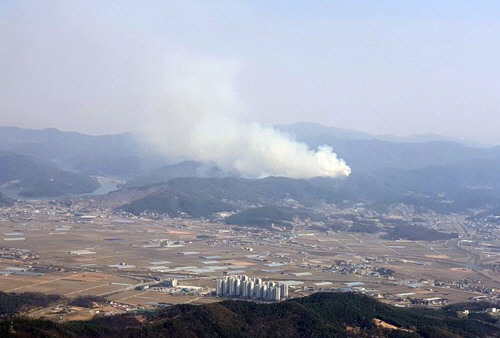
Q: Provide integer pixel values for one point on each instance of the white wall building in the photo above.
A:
(250, 288)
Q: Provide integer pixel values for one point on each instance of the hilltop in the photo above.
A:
(319, 315)
(446, 188)
(34, 178)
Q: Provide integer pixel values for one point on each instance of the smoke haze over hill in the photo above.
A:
(200, 117)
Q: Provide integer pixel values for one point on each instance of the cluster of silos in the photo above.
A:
(253, 288)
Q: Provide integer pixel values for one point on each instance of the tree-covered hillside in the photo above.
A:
(319, 315)
(33, 178)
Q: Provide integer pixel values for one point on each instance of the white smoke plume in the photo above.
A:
(199, 117)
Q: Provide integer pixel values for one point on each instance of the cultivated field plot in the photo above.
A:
(371, 249)
(197, 252)
(67, 284)
(153, 297)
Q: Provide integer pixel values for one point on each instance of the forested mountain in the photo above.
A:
(120, 155)
(5, 201)
(429, 172)
(304, 130)
(13, 303)
(319, 315)
(181, 169)
(445, 188)
(126, 155)
(204, 196)
(364, 152)
(33, 178)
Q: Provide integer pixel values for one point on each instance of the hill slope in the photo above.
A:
(319, 315)
(4, 201)
(34, 178)
(204, 196)
(119, 155)
(181, 169)
(126, 156)
(445, 188)
(364, 152)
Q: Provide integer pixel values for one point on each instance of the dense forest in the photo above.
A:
(33, 178)
(4, 201)
(13, 303)
(319, 315)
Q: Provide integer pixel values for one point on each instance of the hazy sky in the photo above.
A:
(399, 67)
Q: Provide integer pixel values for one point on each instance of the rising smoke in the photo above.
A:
(199, 117)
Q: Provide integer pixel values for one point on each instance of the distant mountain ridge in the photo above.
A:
(365, 152)
(119, 155)
(381, 170)
(125, 156)
(181, 169)
(306, 129)
(445, 188)
(5, 201)
(33, 178)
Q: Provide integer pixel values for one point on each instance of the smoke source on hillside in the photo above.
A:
(198, 116)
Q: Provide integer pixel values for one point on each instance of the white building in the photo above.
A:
(246, 287)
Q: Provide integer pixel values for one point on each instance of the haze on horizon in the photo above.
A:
(385, 67)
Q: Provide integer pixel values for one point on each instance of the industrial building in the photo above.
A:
(242, 286)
